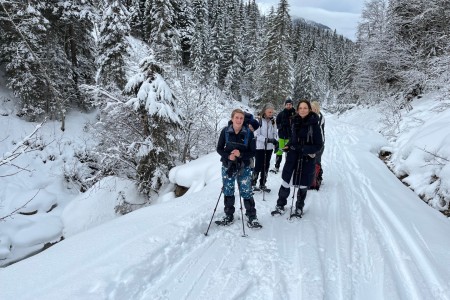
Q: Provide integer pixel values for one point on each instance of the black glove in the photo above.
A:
(272, 141)
(298, 149)
(275, 144)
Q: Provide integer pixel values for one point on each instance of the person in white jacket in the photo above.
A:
(266, 142)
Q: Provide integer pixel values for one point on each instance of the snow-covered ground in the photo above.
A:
(364, 235)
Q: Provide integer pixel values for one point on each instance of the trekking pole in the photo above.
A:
(221, 191)
(240, 202)
(264, 170)
(297, 174)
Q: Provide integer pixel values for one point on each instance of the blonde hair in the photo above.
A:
(237, 111)
(315, 106)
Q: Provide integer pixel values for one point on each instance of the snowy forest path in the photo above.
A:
(349, 241)
(364, 235)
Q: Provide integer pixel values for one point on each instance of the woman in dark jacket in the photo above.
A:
(305, 142)
(236, 146)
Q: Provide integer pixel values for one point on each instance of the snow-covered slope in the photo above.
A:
(364, 235)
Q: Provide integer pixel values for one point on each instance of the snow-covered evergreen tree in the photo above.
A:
(112, 45)
(278, 57)
(24, 37)
(163, 37)
(159, 116)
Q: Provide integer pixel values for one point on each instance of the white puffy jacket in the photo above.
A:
(266, 130)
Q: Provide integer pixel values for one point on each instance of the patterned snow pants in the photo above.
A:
(244, 178)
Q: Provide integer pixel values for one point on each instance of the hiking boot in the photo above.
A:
(279, 210)
(253, 222)
(298, 212)
(227, 220)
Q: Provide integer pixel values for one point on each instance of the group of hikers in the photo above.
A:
(297, 132)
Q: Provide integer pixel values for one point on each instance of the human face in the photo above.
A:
(268, 113)
(288, 105)
(303, 110)
(238, 120)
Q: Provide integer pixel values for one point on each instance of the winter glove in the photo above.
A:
(275, 144)
(272, 141)
(297, 149)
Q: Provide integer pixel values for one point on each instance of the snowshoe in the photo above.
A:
(253, 223)
(263, 188)
(279, 210)
(256, 189)
(298, 213)
(274, 170)
(226, 221)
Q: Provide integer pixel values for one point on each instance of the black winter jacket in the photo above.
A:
(236, 141)
(306, 138)
(284, 123)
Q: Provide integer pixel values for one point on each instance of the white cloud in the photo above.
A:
(343, 18)
(344, 23)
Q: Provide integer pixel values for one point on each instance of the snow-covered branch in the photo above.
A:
(19, 208)
(21, 148)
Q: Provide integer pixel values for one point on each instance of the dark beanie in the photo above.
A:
(288, 100)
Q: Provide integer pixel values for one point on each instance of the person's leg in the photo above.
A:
(245, 190)
(228, 191)
(279, 158)
(283, 194)
(301, 196)
(259, 164)
(265, 168)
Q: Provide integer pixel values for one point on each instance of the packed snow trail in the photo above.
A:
(364, 235)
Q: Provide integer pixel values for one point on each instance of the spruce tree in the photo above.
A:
(278, 57)
(112, 45)
(159, 116)
(163, 37)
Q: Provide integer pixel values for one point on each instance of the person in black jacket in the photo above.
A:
(236, 146)
(283, 121)
(305, 142)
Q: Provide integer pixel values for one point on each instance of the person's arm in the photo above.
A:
(317, 141)
(278, 120)
(323, 128)
(221, 145)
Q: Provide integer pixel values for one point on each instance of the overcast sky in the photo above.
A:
(340, 15)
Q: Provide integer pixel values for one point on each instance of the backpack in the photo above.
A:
(247, 136)
(317, 178)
